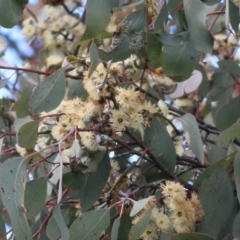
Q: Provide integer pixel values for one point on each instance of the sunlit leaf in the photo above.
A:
(191, 127)
(138, 206)
(90, 225)
(49, 93)
(115, 227)
(12, 174)
(201, 37)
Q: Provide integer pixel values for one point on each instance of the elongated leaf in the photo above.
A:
(217, 189)
(11, 12)
(162, 19)
(76, 89)
(74, 180)
(100, 176)
(12, 174)
(139, 228)
(94, 58)
(138, 206)
(237, 174)
(236, 224)
(202, 39)
(115, 227)
(191, 236)
(21, 106)
(191, 127)
(229, 109)
(180, 61)
(97, 17)
(234, 16)
(230, 67)
(90, 225)
(49, 93)
(57, 214)
(28, 134)
(223, 164)
(173, 39)
(229, 135)
(35, 196)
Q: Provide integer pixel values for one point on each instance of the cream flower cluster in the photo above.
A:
(179, 212)
(236, 2)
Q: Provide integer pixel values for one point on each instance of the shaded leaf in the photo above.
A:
(74, 180)
(230, 67)
(236, 228)
(90, 225)
(57, 214)
(94, 58)
(191, 127)
(159, 142)
(28, 134)
(3, 82)
(201, 37)
(115, 227)
(173, 39)
(35, 196)
(12, 173)
(237, 174)
(223, 164)
(162, 19)
(100, 176)
(234, 16)
(191, 236)
(49, 93)
(76, 89)
(227, 136)
(228, 109)
(139, 228)
(125, 226)
(11, 12)
(180, 61)
(217, 189)
(138, 206)
(97, 17)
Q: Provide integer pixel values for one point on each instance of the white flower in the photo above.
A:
(163, 107)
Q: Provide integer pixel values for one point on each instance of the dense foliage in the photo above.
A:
(125, 124)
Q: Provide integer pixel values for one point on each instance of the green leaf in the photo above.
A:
(139, 228)
(210, 2)
(234, 16)
(125, 226)
(180, 61)
(90, 225)
(11, 12)
(28, 134)
(173, 39)
(76, 89)
(57, 214)
(21, 106)
(100, 176)
(12, 174)
(215, 194)
(223, 164)
(74, 180)
(94, 58)
(191, 236)
(230, 67)
(236, 224)
(97, 17)
(229, 109)
(2, 224)
(173, 5)
(35, 196)
(159, 142)
(193, 138)
(201, 37)
(162, 19)
(124, 43)
(229, 135)
(237, 174)
(115, 227)
(49, 93)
